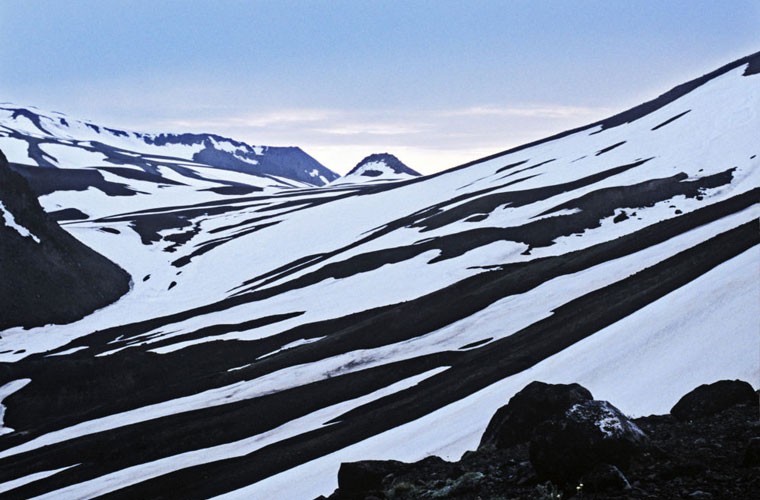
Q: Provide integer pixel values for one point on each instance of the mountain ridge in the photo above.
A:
(118, 146)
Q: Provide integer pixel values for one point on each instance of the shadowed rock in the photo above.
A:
(588, 434)
(752, 453)
(709, 399)
(536, 403)
(48, 276)
(365, 476)
(604, 477)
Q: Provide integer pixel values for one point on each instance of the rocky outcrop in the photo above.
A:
(360, 477)
(536, 403)
(589, 434)
(48, 276)
(709, 399)
(715, 457)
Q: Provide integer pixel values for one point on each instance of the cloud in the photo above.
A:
(283, 117)
(372, 129)
(429, 139)
(532, 111)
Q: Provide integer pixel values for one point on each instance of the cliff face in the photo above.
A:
(47, 275)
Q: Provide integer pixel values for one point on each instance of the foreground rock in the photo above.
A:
(603, 478)
(588, 434)
(536, 403)
(709, 399)
(361, 477)
(714, 457)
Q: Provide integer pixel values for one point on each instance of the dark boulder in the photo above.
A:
(752, 453)
(709, 399)
(365, 476)
(588, 434)
(536, 403)
(603, 478)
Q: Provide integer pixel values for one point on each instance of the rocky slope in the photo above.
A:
(48, 276)
(708, 447)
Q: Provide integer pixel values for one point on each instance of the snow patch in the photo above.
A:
(291, 345)
(10, 221)
(142, 472)
(5, 391)
(21, 481)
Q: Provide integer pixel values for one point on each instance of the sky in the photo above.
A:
(437, 83)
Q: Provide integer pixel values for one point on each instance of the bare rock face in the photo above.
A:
(752, 453)
(709, 399)
(536, 403)
(588, 434)
(602, 478)
(364, 476)
(48, 276)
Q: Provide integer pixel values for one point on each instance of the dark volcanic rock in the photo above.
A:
(604, 477)
(536, 403)
(48, 275)
(709, 399)
(620, 217)
(366, 476)
(686, 459)
(588, 434)
(752, 453)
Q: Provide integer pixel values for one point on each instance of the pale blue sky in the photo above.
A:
(435, 82)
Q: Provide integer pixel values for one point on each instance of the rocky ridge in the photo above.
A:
(48, 276)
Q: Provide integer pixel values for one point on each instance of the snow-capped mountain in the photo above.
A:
(53, 140)
(380, 167)
(268, 337)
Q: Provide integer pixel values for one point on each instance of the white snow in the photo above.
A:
(21, 481)
(73, 156)
(5, 391)
(142, 472)
(367, 174)
(68, 351)
(10, 221)
(291, 345)
(15, 150)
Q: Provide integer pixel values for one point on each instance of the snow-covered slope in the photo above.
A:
(271, 336)
(143, 170)
(376, 168)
